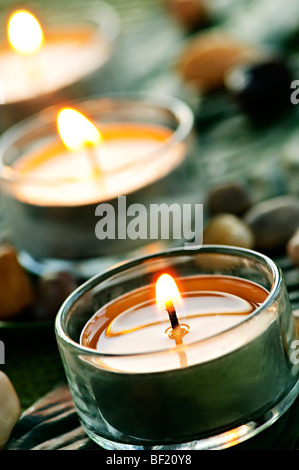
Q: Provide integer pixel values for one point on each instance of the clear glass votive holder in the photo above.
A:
(239, 383)
(52, 220)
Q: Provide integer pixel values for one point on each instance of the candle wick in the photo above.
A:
(172, 314)
(176, 331)
(92, 155)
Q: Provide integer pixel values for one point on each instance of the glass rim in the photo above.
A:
(172, 252)
(178, 108)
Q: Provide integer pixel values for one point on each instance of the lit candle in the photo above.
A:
(229, 374)
(38, 61)
(66, 165)
(132, 324)
(122, 162)
(83, 165)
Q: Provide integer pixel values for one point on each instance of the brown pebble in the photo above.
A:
(273, 221)
(15, 285)
(52, 291)
(231, 198)
(292, 248)
(191, 14)
(227, 229)
(206, 59)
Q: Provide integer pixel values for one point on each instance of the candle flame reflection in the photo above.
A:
(75, 130)
(24, 32)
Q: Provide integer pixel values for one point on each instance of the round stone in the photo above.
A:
(10, 409)
(273, 221)
(292, 248)
(15, 284)
(227, 229)
(52, 291)
(262, 89)
(231, 198)
(208, 56)
(191, 14)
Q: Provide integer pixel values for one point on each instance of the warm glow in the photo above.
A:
(24, 32)
(76, 130)
(166, 290)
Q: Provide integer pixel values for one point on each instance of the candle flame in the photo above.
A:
(24, 32)
(167, 290)
(75, 130)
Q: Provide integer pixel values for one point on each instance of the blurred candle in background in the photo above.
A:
(46, 56)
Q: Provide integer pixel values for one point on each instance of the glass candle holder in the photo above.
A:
(238, 376)
(74, 49)
(50, 200)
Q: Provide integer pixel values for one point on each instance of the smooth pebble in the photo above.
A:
(207, 57)
(293, 248)
(15, 285)
(273, 221)
(52, 290)
(10, 408)
(232, 198)
(227, 229)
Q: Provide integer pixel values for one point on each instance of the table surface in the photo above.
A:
(144, 61)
